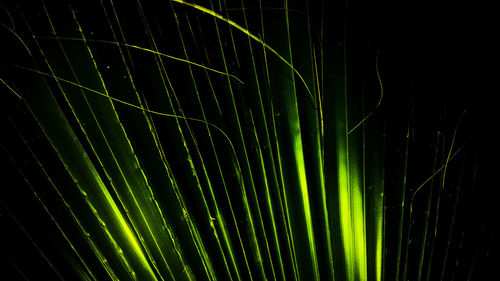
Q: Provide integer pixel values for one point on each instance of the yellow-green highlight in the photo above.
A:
(352, 213)
(378, 235)
(301, 171)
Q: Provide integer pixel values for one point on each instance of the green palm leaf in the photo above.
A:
(229, 140)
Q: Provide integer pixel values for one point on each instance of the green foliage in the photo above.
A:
(225, 140)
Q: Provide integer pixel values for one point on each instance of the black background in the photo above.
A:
(435, 62)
